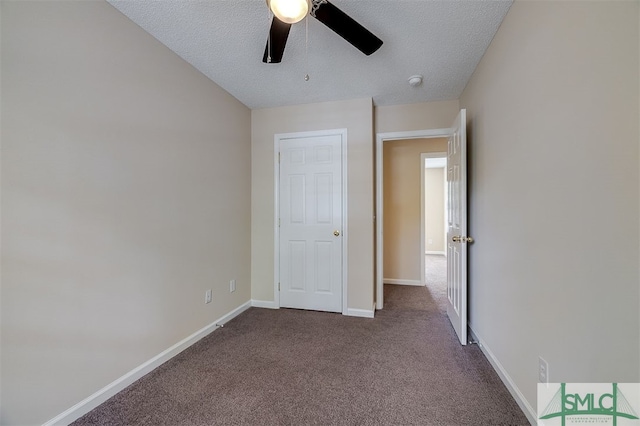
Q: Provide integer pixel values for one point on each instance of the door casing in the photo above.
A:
(345, 230)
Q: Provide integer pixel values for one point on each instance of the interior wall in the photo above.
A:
(357, 117)
(125, 195)
(418, 116)
(434, 181)
(554, 156)
(402, 173)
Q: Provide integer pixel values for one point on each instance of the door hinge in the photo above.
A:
(278, 158)
(278, 222)
(278, 286)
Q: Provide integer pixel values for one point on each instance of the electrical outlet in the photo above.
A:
(543, 371)
(232, 286)
(430, 241)
(207, 296)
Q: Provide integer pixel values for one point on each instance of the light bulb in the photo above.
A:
(289, 11)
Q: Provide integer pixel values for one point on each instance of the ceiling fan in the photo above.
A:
(288, 12)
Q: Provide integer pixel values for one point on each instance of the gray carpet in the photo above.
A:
(290, 367)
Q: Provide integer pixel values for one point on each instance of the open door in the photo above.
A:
(457, 226)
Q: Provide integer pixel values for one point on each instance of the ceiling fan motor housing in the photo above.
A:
(325, 12)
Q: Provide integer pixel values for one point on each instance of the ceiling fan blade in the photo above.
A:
(334, 18)
(278, 34)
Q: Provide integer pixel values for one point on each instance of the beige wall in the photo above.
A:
(126, 177)
(401, 210)
(357, 117)
(553, 113)
(125, 195)
(434, 181)
(420, 116)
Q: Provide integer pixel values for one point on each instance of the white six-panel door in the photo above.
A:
(457, 227)
(311, 222)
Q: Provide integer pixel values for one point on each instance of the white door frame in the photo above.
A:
(276, 225)
(381, 138)
(423, 220)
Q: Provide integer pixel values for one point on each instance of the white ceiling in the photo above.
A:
(225, 40)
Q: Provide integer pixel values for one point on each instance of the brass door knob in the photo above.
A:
(336, 233)
(461, 239)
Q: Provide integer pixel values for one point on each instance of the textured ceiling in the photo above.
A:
(225, 40)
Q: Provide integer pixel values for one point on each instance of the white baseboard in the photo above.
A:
(364, 313)
(401, 282)
(349, 312)
(88, 404)
(268, 304)
(435, 252)
(506, 379)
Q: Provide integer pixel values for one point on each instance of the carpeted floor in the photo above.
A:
(291, 367)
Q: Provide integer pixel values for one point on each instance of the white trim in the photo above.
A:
(445, 222)
(362, 313)
(442, 253)
(403, 282)
(423, 220)
(91, 402)
(506, 379)
(345, 225)
(276, 220)
(380, 139)
(267, 304)
(345, 228)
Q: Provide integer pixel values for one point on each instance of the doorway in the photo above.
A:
(457, 239)
(381, 139)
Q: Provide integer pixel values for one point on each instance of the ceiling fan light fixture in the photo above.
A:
(289, 11)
